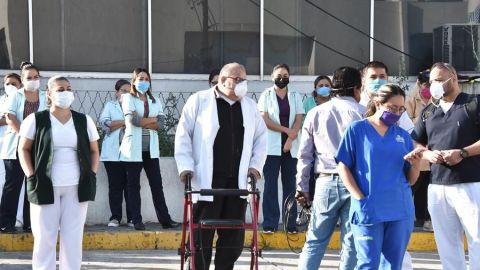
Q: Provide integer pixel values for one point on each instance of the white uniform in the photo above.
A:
(66, 213)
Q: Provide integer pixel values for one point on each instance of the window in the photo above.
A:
(90, 35)
(196, 36)
(417, 37)
(303, 36)
(13, 33)
(314, 37)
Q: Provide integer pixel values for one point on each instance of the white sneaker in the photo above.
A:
(130, 224)
(18, 224)
(113, 223)
(427, 226)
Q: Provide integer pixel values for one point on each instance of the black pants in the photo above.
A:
(14, 179)
(152, 169)
(420, 200)
(229, 244)
(117, 188)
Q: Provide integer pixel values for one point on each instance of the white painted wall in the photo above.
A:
(99, 211)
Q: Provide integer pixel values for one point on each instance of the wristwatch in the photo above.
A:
(464, 153)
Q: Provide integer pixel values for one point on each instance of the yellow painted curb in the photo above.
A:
(124, 240)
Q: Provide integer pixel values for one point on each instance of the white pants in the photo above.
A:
(66, 214)
(407, 262)
(455, 210)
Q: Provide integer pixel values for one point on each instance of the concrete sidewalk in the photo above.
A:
(168, 259)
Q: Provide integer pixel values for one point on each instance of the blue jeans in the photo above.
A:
(271, 210)
(331, 203)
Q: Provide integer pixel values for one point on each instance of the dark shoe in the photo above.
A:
(139, 226)
(8, 230)
(418, 223)
(171, 224)
(27, 229)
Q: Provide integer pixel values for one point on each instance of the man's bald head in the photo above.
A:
(233, 70)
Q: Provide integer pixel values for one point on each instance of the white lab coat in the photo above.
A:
(195, 136)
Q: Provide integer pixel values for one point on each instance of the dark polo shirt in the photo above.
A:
(451, 130)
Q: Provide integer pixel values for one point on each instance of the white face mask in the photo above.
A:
(436, 89)
(32, 85)
(63, 99)
(10, 89)
(241, 89)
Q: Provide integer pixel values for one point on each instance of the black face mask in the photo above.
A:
(281, 82)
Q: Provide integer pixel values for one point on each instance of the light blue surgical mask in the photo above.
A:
(374, 85)
(323, 91)
(142, 86)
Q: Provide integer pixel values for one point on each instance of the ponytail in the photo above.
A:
(371, 108)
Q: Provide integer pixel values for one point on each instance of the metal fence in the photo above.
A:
(91, 102)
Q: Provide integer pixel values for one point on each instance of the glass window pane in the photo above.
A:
(291, 26)
(419, 37)
(13, 33)
(196, 36)
(90, 35)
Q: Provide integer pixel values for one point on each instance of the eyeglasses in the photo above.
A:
(214, 82)
(396, 109)
(237, 79)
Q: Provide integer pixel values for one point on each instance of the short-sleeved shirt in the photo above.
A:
(65, 165)
(267, 103)
(379, 170)
(450, 130)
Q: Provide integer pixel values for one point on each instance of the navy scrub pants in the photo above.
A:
(117, 188)
(152, 170)
(14, 179)
(271, 210)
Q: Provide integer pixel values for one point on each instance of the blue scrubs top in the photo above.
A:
(379, 169)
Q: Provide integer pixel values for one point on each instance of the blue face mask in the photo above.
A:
(374, 85)
(323, 91)
(142, 86)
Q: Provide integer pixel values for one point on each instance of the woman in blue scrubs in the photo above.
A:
(377, 164)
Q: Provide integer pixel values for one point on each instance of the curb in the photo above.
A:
(168, 239)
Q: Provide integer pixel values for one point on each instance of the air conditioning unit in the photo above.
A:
(457, 44)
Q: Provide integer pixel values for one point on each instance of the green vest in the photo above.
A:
(39, 186)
